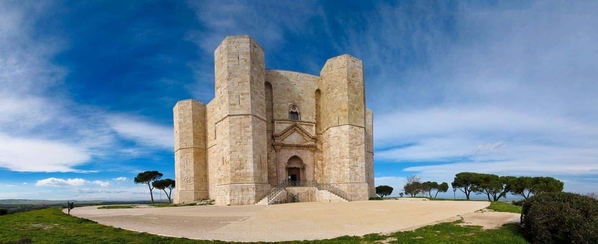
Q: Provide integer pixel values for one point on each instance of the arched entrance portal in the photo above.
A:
(295, 170)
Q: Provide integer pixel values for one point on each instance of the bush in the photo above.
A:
(3, 211)
(375, 198)
(560, 218)
(518, 203)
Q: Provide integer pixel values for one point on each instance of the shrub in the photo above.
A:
(518, 203)
(3, 211)
(560, 218)
(375, 198)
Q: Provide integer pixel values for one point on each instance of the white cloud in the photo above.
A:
(101, 183)
(76, 182)
(61, 182)
(41, 128)
(122, 178)
(142, 132)
(225, 18)
(510, 89)
(38, 155)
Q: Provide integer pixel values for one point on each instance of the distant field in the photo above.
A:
(51, 225)
(22, 205)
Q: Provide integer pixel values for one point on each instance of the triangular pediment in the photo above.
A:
(294, 134)
(294, 138)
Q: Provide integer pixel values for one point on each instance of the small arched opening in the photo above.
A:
(295, 170)
(294, 112)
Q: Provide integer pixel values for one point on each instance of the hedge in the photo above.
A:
(560, 217)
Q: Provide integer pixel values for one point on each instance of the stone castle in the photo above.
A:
(272, 136)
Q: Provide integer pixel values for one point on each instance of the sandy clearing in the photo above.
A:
(295, 221)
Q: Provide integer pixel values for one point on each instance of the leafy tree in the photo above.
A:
(413, 188)
(147, 178)
(465, 182)
(546, 184)
(429, 186)
(441, 188)
(401, 194)
(522, 186)
(432, 186)
(383, 190)
(163, 185)
(489, 184)
(526, 186)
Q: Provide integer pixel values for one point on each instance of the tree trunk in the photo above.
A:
(151, 194)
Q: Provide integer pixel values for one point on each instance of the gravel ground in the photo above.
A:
(294, 221)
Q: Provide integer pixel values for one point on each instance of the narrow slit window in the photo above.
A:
(294, 113)
(293, 116)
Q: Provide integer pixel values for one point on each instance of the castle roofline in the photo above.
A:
(289, 71)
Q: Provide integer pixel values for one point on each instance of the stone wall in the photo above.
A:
(237, 147)
(369, 151)
(343, 127)
(190, 151)
(241, 175)
(293, 88)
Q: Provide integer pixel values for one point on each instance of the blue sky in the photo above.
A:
(87, 88)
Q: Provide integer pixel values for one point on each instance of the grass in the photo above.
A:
(164, 205)
(116, 206)
(53, 226)
(504, 207)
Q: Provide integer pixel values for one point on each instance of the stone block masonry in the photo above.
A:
(267, 127)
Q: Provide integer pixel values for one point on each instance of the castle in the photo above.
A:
(273, 136)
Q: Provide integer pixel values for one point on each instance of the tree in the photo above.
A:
(526, 186)
(163, 185)
(429, 186)
(489, 184)
(400, 194)
(413, 185)
(383, 190)
(147, 178)
(413, 188)
(465, 182)
(441, 188)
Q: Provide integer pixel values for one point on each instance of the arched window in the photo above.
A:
(294, 112)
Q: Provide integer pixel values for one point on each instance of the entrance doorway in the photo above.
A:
(294, 174)
(295, 171)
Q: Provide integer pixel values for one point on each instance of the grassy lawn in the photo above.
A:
(53, 226)
(116, 206)
(504, 207)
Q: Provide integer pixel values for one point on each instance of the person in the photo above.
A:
(70, 205)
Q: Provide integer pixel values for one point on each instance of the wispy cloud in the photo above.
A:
(56, 182)
(122, 178)
(142, 131)
(42, 128)
(507, 89)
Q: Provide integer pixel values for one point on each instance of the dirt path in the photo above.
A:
(284, 222)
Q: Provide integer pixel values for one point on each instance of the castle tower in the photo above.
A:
(190, 151)
(275, 128)
(343, 126)
(237, 124)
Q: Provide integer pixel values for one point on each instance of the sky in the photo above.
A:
(502, 87)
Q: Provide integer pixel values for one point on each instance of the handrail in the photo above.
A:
(320, 186)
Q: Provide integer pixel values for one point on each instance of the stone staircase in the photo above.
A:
(275, 195)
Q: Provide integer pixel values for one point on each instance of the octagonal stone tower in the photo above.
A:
(273, 131)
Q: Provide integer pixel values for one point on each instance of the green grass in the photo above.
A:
(116, 206)
(165, 205)
(504, 207)
(53, 226)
